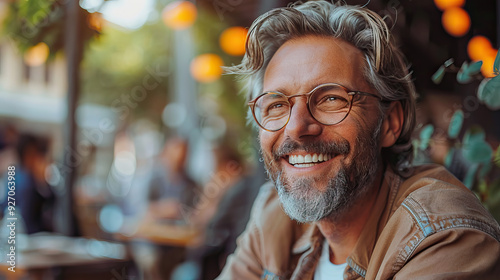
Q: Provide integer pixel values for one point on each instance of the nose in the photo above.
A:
(301, 123)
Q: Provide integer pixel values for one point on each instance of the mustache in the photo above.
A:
(289, 146)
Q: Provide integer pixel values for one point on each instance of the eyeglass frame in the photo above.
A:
(349, 92)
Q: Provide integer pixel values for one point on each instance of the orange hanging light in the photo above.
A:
(179, 14)
(456, 21)
(206, 68)
(488, 61)
(37, 55)
(445, 4)
(232, 40)
(479, 47)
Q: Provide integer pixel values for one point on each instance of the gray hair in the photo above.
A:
(385, 67)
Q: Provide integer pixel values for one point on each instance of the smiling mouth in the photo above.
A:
(308, 160)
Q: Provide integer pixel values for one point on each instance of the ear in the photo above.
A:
(392, 125)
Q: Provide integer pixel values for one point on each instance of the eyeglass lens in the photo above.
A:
(328, 104)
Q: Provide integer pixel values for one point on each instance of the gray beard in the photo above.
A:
(305, 203)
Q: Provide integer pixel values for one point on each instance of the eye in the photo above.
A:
(331, 98)
(276, 108)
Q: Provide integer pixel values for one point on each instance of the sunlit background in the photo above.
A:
(117, 102)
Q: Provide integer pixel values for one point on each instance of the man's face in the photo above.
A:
(349, 150)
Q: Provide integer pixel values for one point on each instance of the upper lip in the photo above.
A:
(308, 158)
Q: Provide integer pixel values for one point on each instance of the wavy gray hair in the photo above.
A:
(385, 68)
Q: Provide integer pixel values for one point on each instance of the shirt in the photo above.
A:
(327, 270)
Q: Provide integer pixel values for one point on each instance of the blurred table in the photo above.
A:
(159, 245)
(164, 232)
(61, 257)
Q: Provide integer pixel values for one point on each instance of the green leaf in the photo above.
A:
(480, 89)
(425, 136)
(438, 76)
(496, 158)
(496, 65)
(494, 192)
(474, 134)
(448, 62)
(470, 176)
(449, 157)
(475, 148)
(416, 144)
(493, 201)
(483, 186)
(463, 76)
(474, 68)
(456, 124)
(478, 152)
(467, 72)
(485, 169)
(490, 94)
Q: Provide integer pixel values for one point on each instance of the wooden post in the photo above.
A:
(73, 50)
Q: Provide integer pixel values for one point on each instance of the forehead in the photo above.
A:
(303, 63)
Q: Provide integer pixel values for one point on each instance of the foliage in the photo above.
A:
(480, 158)
(122, 61)
(30, 22)
(225, 91)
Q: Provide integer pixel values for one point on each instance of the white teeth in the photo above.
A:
(304, 165)
(300, 159)
(308, 158)
(304, 160)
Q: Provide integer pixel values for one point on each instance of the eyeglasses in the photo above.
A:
(328, 104)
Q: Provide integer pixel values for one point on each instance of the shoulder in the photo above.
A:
(266, 244)
(437, 201)
(435, 220)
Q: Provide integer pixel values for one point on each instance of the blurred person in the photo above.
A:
(335, 106)
(171, 188)
(8, 154)
(169, 191)
(221, 212)
(8, 140)
(34, 199)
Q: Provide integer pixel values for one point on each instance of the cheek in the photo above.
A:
(352, 131)
(267, 140)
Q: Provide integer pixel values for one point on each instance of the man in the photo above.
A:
(34, 199)
(335, 107)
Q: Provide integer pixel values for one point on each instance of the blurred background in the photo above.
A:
(130, 150)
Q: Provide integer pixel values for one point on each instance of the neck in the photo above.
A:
(343, 232)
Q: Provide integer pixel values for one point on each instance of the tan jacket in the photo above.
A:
(427, 226)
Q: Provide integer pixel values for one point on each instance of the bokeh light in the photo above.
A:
(37, 55)
(479, 47)
(206, 68)
(456, 21)
(174, 115)
(111, 218)
(125, 163)
(179, 14)
(445, 4)
(488, 61)
(232, 40)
